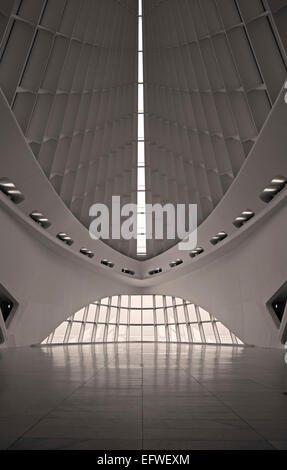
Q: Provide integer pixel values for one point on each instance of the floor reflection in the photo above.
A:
(143, 396)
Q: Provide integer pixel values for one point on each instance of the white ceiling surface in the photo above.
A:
(69, 71)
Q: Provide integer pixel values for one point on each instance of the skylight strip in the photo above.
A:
(141, 186)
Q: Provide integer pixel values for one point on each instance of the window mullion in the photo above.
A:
(200, 326)
(187, 323)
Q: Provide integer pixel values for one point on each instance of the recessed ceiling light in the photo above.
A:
(243, 218)
(277, 184)
(155, 271)
(128, 271)
(40, 219)
(279, 180)
(218, 238)
(65, 238)
(9, 189)
(178, 262)
(196, 252)
(87, 252)
(107, 263)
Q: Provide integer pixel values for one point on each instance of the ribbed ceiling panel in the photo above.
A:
(69, 72)
(210, 85)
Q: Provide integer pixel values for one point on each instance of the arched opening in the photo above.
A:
(142, 318)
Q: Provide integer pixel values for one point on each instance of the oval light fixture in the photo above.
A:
(176, 263)
(218, 238)
(87, 252)
(9, 189)
(243, 218)
(107, 263)
(128, 271)
(40, 219)
(155, 271)
(65, 238)
(275, 187)
(196, 252)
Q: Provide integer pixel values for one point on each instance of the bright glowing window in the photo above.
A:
(160, 316)
(123, 315)
(79, 316)
(124, 301)
(170, 315)
(87, 338)
(147, 301)
(136, 301)
(75, 332)
(209, 333)
(147, 317)
(113, 315)
(196, 336)
(172, 333)
(180, 314)
(191, 313)
(100, 333)
(142, 318)
(103, 313)
(148, 333)
(159, 301)
(183, 334)
(91, 317)
(135, 333)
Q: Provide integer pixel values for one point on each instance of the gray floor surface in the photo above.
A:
(133, 396)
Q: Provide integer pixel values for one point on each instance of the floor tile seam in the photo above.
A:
(233, 411)
(54, 408)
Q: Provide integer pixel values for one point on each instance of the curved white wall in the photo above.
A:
(237, 283)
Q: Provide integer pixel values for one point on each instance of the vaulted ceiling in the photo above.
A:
(212, 72)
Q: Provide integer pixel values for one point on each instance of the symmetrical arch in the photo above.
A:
(146, 318)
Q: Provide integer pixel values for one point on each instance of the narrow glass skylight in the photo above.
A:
(141, 100)
(141, 127)
(141, 187)
(140, 67)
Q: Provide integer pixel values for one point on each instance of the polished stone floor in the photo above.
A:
(143, 397)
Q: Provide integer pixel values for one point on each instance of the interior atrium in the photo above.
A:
(156, 338)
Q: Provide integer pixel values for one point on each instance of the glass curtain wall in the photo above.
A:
(147, 318)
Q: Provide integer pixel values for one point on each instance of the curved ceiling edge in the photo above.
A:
(19, 165)
(208, 257)
(268, 156)
(244, 194)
